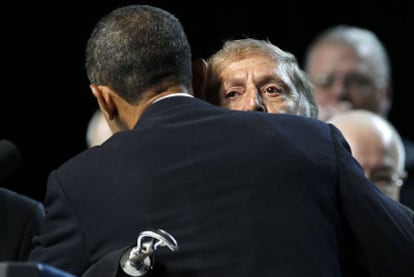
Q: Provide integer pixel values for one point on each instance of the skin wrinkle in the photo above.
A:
(249, 77)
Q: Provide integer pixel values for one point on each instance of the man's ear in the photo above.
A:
(104, 95)
(199, 77)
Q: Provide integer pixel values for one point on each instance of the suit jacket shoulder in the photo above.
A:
(21, 218)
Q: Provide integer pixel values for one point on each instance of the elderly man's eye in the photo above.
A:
(230, 94)
(275, 90)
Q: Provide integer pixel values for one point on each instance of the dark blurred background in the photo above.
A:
(45, 99)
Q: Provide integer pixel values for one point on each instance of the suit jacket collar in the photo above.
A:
(169, 110)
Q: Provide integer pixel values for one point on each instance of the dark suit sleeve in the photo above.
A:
(61, 243)
(20, 219)
(409, 211)
(108, 265)
(32, 227)
(380, 231)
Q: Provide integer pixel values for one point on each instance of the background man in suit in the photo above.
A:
(20, 216)
(20, 219)
(241, 192)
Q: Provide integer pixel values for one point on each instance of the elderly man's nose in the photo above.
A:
(253, 100)
(259, 105)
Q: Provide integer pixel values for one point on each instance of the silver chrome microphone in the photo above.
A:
(139, 260)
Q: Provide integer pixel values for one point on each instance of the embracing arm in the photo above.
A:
(32, 224)
(60, 242)
(380, 230)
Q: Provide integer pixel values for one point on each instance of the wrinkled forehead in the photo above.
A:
(253, 57)
(340, 58)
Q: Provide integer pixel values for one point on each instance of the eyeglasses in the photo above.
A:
(388, 180)
(356, 84)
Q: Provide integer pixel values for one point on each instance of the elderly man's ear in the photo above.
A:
(199, 77)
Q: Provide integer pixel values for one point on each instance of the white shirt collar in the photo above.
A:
(173, 95)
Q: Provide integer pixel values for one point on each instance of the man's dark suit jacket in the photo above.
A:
(243, 193)
(20, 220)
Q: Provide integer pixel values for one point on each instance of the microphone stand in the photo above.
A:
(139, 260)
